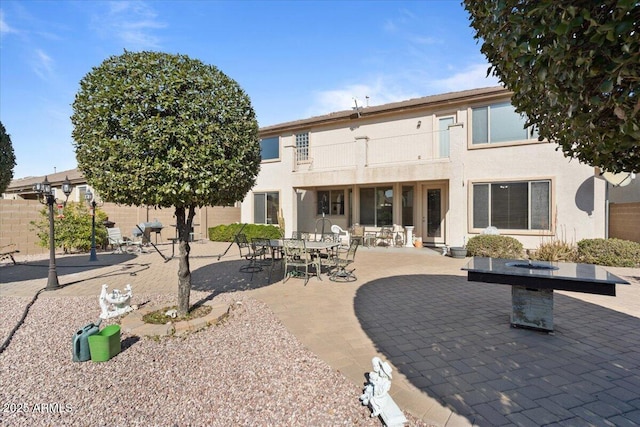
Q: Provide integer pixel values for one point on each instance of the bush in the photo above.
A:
(226, 233)
(611, 252)
(556, 250)
(73, 229)
(494, 246)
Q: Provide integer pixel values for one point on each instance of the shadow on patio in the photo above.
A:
(225, 276)
(64, 265)
(452, 339)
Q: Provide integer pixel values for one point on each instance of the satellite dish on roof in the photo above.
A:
(618, 179)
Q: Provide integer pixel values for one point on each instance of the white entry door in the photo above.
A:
(433, 214)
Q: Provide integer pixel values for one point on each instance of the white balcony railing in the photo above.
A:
(365, 152)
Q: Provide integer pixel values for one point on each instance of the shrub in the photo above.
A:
(494, 246)
(226, 233)
(555, 250)
(611, 252)
(73, 229)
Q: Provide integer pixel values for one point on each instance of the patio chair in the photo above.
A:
(385, 237)
(301, 235)
(249, 252)
(357, 234)
(343, 235)
(327, 256)
(297, 256)
(265, 253)
(342, 260)
(121, 244)
(6, 253)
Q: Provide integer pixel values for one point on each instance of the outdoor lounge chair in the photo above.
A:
(120, 244)
(8, 253)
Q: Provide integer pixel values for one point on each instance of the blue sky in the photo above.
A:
(295, 59)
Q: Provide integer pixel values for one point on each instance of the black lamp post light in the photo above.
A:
(48, 198)
(91, 201)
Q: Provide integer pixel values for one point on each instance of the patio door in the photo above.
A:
(433, 214)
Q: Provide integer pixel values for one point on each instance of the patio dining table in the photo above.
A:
(310, 245)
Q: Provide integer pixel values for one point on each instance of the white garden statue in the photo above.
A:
(376, 394)
(115, 303)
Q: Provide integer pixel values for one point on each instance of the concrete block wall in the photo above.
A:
(15, 227)
(624, 221)
(16, 215)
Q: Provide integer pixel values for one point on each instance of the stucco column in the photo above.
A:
(456, 224)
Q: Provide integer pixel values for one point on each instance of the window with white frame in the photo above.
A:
(270, 148)
(266, 207)
(443, 136)
(499, 123)
(513, 205)
(302, 147)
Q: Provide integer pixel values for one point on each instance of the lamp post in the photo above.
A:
(44, 189)
(88, 196)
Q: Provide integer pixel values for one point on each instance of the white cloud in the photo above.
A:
(472, 77)
(42, 64)
(4, 27)
(376, 92)
(133, 23)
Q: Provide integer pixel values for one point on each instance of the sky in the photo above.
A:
(295, 59)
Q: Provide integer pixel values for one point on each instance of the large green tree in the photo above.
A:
(7, 159)
(574, 68)
(166, 130)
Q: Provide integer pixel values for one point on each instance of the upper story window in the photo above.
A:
(270, 148)
(443, 136)
(498, 123)
(302, 146)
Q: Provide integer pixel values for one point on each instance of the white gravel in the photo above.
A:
(249, 371)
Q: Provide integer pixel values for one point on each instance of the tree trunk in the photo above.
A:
(183, 224)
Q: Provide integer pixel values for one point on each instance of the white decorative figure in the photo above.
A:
(377, 389)
(115, 303)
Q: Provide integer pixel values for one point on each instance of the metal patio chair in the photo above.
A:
(342, 260)
(297, 256)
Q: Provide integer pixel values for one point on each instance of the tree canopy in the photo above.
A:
(574, 68)
(7, 159)
(166, 130)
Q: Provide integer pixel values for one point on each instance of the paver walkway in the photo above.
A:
(456, 360)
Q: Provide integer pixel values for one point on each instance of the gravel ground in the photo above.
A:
(248, 371)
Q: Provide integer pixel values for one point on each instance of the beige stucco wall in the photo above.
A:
(402, 149)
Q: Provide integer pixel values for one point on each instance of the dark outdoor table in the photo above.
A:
(533, 283)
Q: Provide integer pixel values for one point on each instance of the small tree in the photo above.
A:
(7, 159)
(574, 68)
(165, 131)
(72, 229)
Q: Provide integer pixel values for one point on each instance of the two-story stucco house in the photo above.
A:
(449, 165)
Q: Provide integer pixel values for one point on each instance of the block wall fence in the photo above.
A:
(16, 216)
(624, 221)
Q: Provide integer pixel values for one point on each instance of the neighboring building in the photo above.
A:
(23, 188)
(449, 165)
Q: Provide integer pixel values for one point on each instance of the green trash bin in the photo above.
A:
(105, 344)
